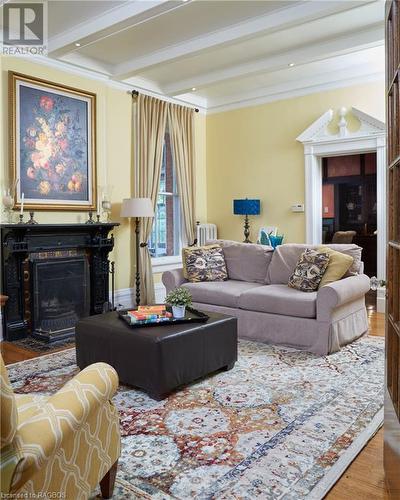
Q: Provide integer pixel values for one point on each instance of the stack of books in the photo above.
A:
(149, 314)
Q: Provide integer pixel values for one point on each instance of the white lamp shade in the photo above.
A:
(137, 207)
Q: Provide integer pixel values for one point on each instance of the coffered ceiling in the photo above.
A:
(219, 54)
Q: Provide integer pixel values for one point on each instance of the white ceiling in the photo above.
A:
(234, 53)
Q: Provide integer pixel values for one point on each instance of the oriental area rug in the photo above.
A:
(282, 424)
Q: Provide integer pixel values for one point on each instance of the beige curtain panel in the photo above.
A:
(181, 130)
(151, 118)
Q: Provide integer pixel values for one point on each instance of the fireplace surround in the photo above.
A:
(54, 274)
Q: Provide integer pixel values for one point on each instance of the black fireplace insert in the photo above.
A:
(53, 274)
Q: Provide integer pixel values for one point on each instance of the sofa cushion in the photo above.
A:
(280, 299)
(220, 293)
(246, 261)
(339, 264)
(285, 258)
(354, 251)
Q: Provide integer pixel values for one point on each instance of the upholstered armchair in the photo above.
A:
(63, 445)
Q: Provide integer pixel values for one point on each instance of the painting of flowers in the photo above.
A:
(53, 144)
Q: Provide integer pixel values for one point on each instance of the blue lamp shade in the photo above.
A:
(246, 207)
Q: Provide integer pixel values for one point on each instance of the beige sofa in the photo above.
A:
(269, 311)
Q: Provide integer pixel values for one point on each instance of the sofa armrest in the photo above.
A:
(340, 292)
(56, 422)
(173, 279)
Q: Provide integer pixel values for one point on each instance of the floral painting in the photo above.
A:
(54, 145)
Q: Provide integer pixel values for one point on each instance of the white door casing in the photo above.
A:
(319, 143)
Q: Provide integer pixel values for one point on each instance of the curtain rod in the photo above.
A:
(135, 93)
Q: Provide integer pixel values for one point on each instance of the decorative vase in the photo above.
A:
(178, 311)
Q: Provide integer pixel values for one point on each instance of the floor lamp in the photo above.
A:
(137, 208)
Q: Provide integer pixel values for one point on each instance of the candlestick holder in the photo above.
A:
(32, 220)
(98, 218)
(90, 219)
(21, 219)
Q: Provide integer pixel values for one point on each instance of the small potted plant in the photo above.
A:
(179, 299)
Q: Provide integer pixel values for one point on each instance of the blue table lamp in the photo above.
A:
(246, 207)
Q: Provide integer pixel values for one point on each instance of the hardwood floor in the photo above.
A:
(363, 479)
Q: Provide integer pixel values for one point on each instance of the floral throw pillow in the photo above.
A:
(206, 264)
(309, 270)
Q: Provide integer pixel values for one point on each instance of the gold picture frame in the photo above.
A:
(52, 145)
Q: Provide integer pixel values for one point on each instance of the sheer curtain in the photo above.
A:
(181, 129)
(150, 119)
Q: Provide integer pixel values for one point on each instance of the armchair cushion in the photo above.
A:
(69, 441)
(8, 408)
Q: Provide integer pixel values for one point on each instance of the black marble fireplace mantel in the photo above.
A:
(60, 271)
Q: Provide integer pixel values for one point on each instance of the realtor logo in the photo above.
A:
(24, 28)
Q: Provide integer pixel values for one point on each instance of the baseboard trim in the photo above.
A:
(381, 300)
(126, 296)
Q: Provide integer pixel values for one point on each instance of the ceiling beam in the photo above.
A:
(371, 36)
(112, 21)
(288, 17)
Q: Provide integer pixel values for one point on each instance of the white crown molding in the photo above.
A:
(248, 100)
(107, 80)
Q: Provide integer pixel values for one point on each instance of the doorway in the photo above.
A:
(349, 204)
(320, 143)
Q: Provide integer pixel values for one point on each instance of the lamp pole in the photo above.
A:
(246, 229)
(137, 208)
(137, 274)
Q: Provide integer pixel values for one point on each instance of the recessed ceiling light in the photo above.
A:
(291, 65)
(193, 88)
(77, 44)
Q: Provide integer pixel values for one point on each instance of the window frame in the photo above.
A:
(166, 263)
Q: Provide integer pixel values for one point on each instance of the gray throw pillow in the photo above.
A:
(309, 270)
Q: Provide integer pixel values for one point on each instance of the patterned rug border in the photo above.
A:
(336, 472)
(42, 356)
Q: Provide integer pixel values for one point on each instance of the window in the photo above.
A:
(165, 239)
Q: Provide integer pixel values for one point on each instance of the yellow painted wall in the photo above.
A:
(252, 152)
(113, 150)
(114, 163)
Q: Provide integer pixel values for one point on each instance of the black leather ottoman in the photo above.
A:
(158, 359)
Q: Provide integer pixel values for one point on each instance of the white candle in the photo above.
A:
(22, 203)
(98, 201)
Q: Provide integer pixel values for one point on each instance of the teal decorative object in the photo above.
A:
(264, 239)
(275, 240)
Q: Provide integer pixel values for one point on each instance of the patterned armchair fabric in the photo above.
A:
(63, 444)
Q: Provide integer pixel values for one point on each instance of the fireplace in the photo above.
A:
(61, 292)
(53, 274)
